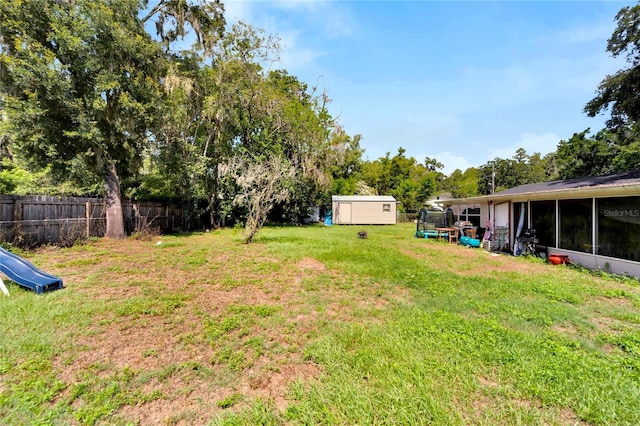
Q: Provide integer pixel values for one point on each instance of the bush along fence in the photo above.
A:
(37, 219)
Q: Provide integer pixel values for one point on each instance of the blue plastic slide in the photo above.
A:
(22, 272)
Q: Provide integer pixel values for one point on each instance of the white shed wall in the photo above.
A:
(364, 213)
(341, 213)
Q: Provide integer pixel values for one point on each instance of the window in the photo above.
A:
(576, 224)
(471, 214)
(386, 208)
(618, 228)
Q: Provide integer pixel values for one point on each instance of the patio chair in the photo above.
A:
(454, 235)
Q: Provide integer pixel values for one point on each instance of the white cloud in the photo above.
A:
(531, 143)
(428, 129)
(519, 84)
(388, 128)
(589, 34)
(332, 19)
(294, 56)
(235, 10)
(340, 23)
(451, 162)
(306, 5)
(335, 18)
(582, 33)
(296, 24)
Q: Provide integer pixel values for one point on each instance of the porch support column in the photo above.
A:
(557, 230)
(594, 229)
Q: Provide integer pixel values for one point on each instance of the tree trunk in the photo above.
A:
(115, 218)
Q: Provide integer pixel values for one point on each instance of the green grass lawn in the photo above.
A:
(312, 325)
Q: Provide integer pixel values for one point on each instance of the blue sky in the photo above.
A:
(461, 82)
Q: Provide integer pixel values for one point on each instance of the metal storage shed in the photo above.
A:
(364, 209)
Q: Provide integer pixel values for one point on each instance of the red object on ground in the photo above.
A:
(557, 259)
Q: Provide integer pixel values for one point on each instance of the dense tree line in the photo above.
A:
(93, 102)
(99, 98)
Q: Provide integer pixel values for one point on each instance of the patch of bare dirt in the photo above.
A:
(606, 324)
(568, 329)
(311, 264)
(488, 382)
(171, 349)
(484, 402)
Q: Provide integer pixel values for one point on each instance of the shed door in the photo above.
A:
(344, 213)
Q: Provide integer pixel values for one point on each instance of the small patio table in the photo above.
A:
(451, 233)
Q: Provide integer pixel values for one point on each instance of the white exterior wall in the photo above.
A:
(600, 263)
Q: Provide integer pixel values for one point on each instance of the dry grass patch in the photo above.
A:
(466, 261)
(314, 326)
(157, 315)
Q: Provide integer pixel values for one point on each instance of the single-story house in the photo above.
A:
(595, 221)
(364, 209)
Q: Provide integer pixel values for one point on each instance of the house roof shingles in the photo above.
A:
(619, 184)
(631, 177)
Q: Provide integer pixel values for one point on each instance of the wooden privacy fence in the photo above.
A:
(37, 219)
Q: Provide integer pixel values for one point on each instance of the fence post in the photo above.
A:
(87, 215)
(17, 211)
(17, 220)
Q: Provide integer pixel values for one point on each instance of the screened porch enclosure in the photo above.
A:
(594, 220)
(599, 226)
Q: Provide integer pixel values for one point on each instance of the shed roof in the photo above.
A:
(619, 184)
(364, 198)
